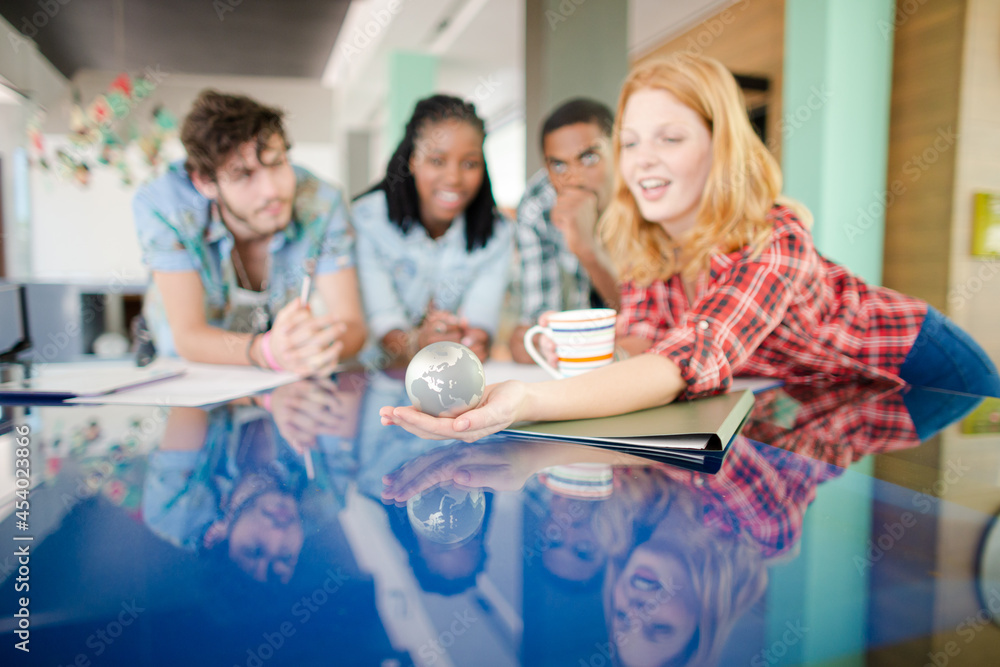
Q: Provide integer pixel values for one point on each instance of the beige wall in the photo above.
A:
(974, 285)
(307, 104)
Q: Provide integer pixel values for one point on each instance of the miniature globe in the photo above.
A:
(447, 514)
(445, 379)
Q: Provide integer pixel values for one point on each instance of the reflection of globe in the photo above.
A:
(445, 378)
(447, 514)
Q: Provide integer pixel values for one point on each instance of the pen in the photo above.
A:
(310, 470)
(306, 285)
(310, 266)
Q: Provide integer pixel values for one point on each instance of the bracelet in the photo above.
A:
(253, 362)
(268, 354)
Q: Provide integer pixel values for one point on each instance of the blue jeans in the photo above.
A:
(945, 357)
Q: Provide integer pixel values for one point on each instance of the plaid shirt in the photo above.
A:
(550, 276)
(828, 422)
(790, 314)
(765, 489)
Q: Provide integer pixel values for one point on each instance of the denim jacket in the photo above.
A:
(401, 273)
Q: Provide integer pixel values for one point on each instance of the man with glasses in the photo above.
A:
(232, 234)
(562, 265)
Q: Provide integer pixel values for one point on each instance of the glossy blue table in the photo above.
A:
(831, 536)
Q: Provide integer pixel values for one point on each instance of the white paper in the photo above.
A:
(201, 384)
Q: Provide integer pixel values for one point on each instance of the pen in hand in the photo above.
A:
(310, 266)
(310, 469)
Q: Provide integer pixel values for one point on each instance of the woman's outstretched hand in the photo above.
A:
(499, 466)
(502, 405)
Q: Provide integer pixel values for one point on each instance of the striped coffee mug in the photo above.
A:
(585, 340)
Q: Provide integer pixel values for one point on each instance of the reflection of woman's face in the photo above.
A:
(267, 537)
(653, 608)
(573, 552)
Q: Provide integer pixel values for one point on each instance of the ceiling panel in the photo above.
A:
(281, 38)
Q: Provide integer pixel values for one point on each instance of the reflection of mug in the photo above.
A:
(585, 339)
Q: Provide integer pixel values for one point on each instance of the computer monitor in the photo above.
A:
(13, 321)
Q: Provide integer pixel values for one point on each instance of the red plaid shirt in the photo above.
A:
(812, 436)
(789, 314)
(837, 423)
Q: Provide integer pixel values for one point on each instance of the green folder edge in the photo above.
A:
(717, 419)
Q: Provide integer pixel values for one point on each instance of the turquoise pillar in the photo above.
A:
(835, 130)
(412, 77)
(837, 84)
(818, 602)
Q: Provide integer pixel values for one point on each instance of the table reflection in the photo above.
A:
(276, 529)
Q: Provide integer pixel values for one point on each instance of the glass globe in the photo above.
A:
(445, 379)
(446, 513)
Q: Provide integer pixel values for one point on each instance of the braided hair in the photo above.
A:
(401, 189)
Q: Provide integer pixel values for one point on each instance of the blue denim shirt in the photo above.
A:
(178, 232)
(401, 273)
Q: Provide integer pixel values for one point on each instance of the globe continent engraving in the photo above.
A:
(445, 379)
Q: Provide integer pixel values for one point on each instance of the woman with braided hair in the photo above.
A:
(433, 252)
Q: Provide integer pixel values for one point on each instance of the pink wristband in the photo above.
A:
(265, 346)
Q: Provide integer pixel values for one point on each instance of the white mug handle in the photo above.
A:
(529, 346)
